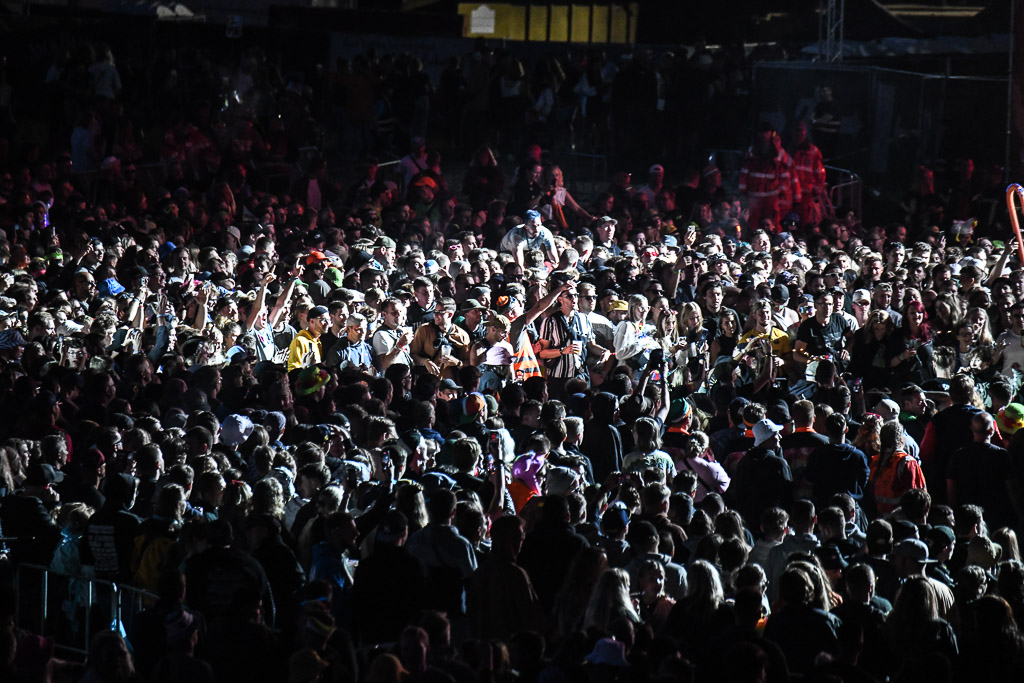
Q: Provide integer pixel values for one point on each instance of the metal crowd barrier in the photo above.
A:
(40, 589)
(846, 191)
(589, 167)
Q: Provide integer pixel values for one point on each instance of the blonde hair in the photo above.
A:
(635, 301)
(986, 328)
(685, 312)
(648, 436)
(610, 601)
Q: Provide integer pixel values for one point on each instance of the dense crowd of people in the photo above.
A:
(399, 430)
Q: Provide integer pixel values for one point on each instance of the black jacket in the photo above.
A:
(762, 480)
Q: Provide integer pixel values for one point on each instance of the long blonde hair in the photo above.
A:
(636, 300)
(986, 328)
(685, 312)
(610, 601)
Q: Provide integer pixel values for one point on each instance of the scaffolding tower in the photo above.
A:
(830, 30)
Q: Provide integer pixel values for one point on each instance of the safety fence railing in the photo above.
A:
(586, 174)
(71, 609)
(845, 189)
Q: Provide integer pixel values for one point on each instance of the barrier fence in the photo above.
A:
(70, 609)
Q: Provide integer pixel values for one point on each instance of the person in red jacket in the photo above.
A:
(764, 177)
(893, 472)
(809, 169)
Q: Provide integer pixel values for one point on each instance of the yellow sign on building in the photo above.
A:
(585, 24)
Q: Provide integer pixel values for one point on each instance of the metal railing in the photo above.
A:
(844, 189)
(586, 166)
(115, 604)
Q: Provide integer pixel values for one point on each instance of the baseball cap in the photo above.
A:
(888, 409)
(42, 474)
(913, 549)
(316, 257)
(110, 287)
(656, 168)
(474, 405)
(781, 238)
(780, 294)
(43, 401)
(235, 430)
(358, 258)
(498, 321)
(861, 296)
(784, 277)
(92, 459)
(940, 536)
(830, 557)
(764, 430)
(334, 277)
(616, 516)
(618, 305)
(448, 384)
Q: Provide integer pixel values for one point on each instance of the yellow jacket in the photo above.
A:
(304, 351)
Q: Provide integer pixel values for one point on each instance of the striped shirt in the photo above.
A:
(561, 331)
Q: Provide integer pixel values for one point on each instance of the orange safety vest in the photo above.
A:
(524, 363)
(900, 474)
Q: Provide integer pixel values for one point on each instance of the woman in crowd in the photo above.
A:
(911, 351)
(634, 338)
(869, 355)
(611, 601)
(647, 453)
(725, 339)
(655, 605)
(893, 472)
(914, 631)
(693, 336)
(703, 614)
(560, 202)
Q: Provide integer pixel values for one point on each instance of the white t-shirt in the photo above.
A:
(544, 240)
(1014, 351)
(499, 354)
(384, 339)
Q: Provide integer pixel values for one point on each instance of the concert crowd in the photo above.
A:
(397, 425)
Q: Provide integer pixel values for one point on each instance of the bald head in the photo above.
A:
(983, 427)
